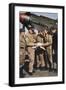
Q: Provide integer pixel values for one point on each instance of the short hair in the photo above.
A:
(53, 27)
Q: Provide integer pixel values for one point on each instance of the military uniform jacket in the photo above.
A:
(22, 42)
(48, 39)
(30, 39)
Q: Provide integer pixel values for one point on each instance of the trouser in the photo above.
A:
(40, 60)
(49, 51)
(31, 54)
(21, 56)
(47, 61)
(55, 62)
(55, 56)
(21, 61)
(39, 57)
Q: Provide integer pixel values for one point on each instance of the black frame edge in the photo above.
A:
(11, 45)
(37, 5)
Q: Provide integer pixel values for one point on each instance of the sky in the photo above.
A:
(50, 15)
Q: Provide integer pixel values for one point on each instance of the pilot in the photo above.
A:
(40, 52)
(54, 47)
(22, 46)
(30, 40)
(48, 51)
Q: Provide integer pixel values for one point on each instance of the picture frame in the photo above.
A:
(57, 12)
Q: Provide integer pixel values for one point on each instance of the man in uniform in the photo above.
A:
(22, 45)
(48, 53)
(54, 48)
(30, 40)
(40, 63)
